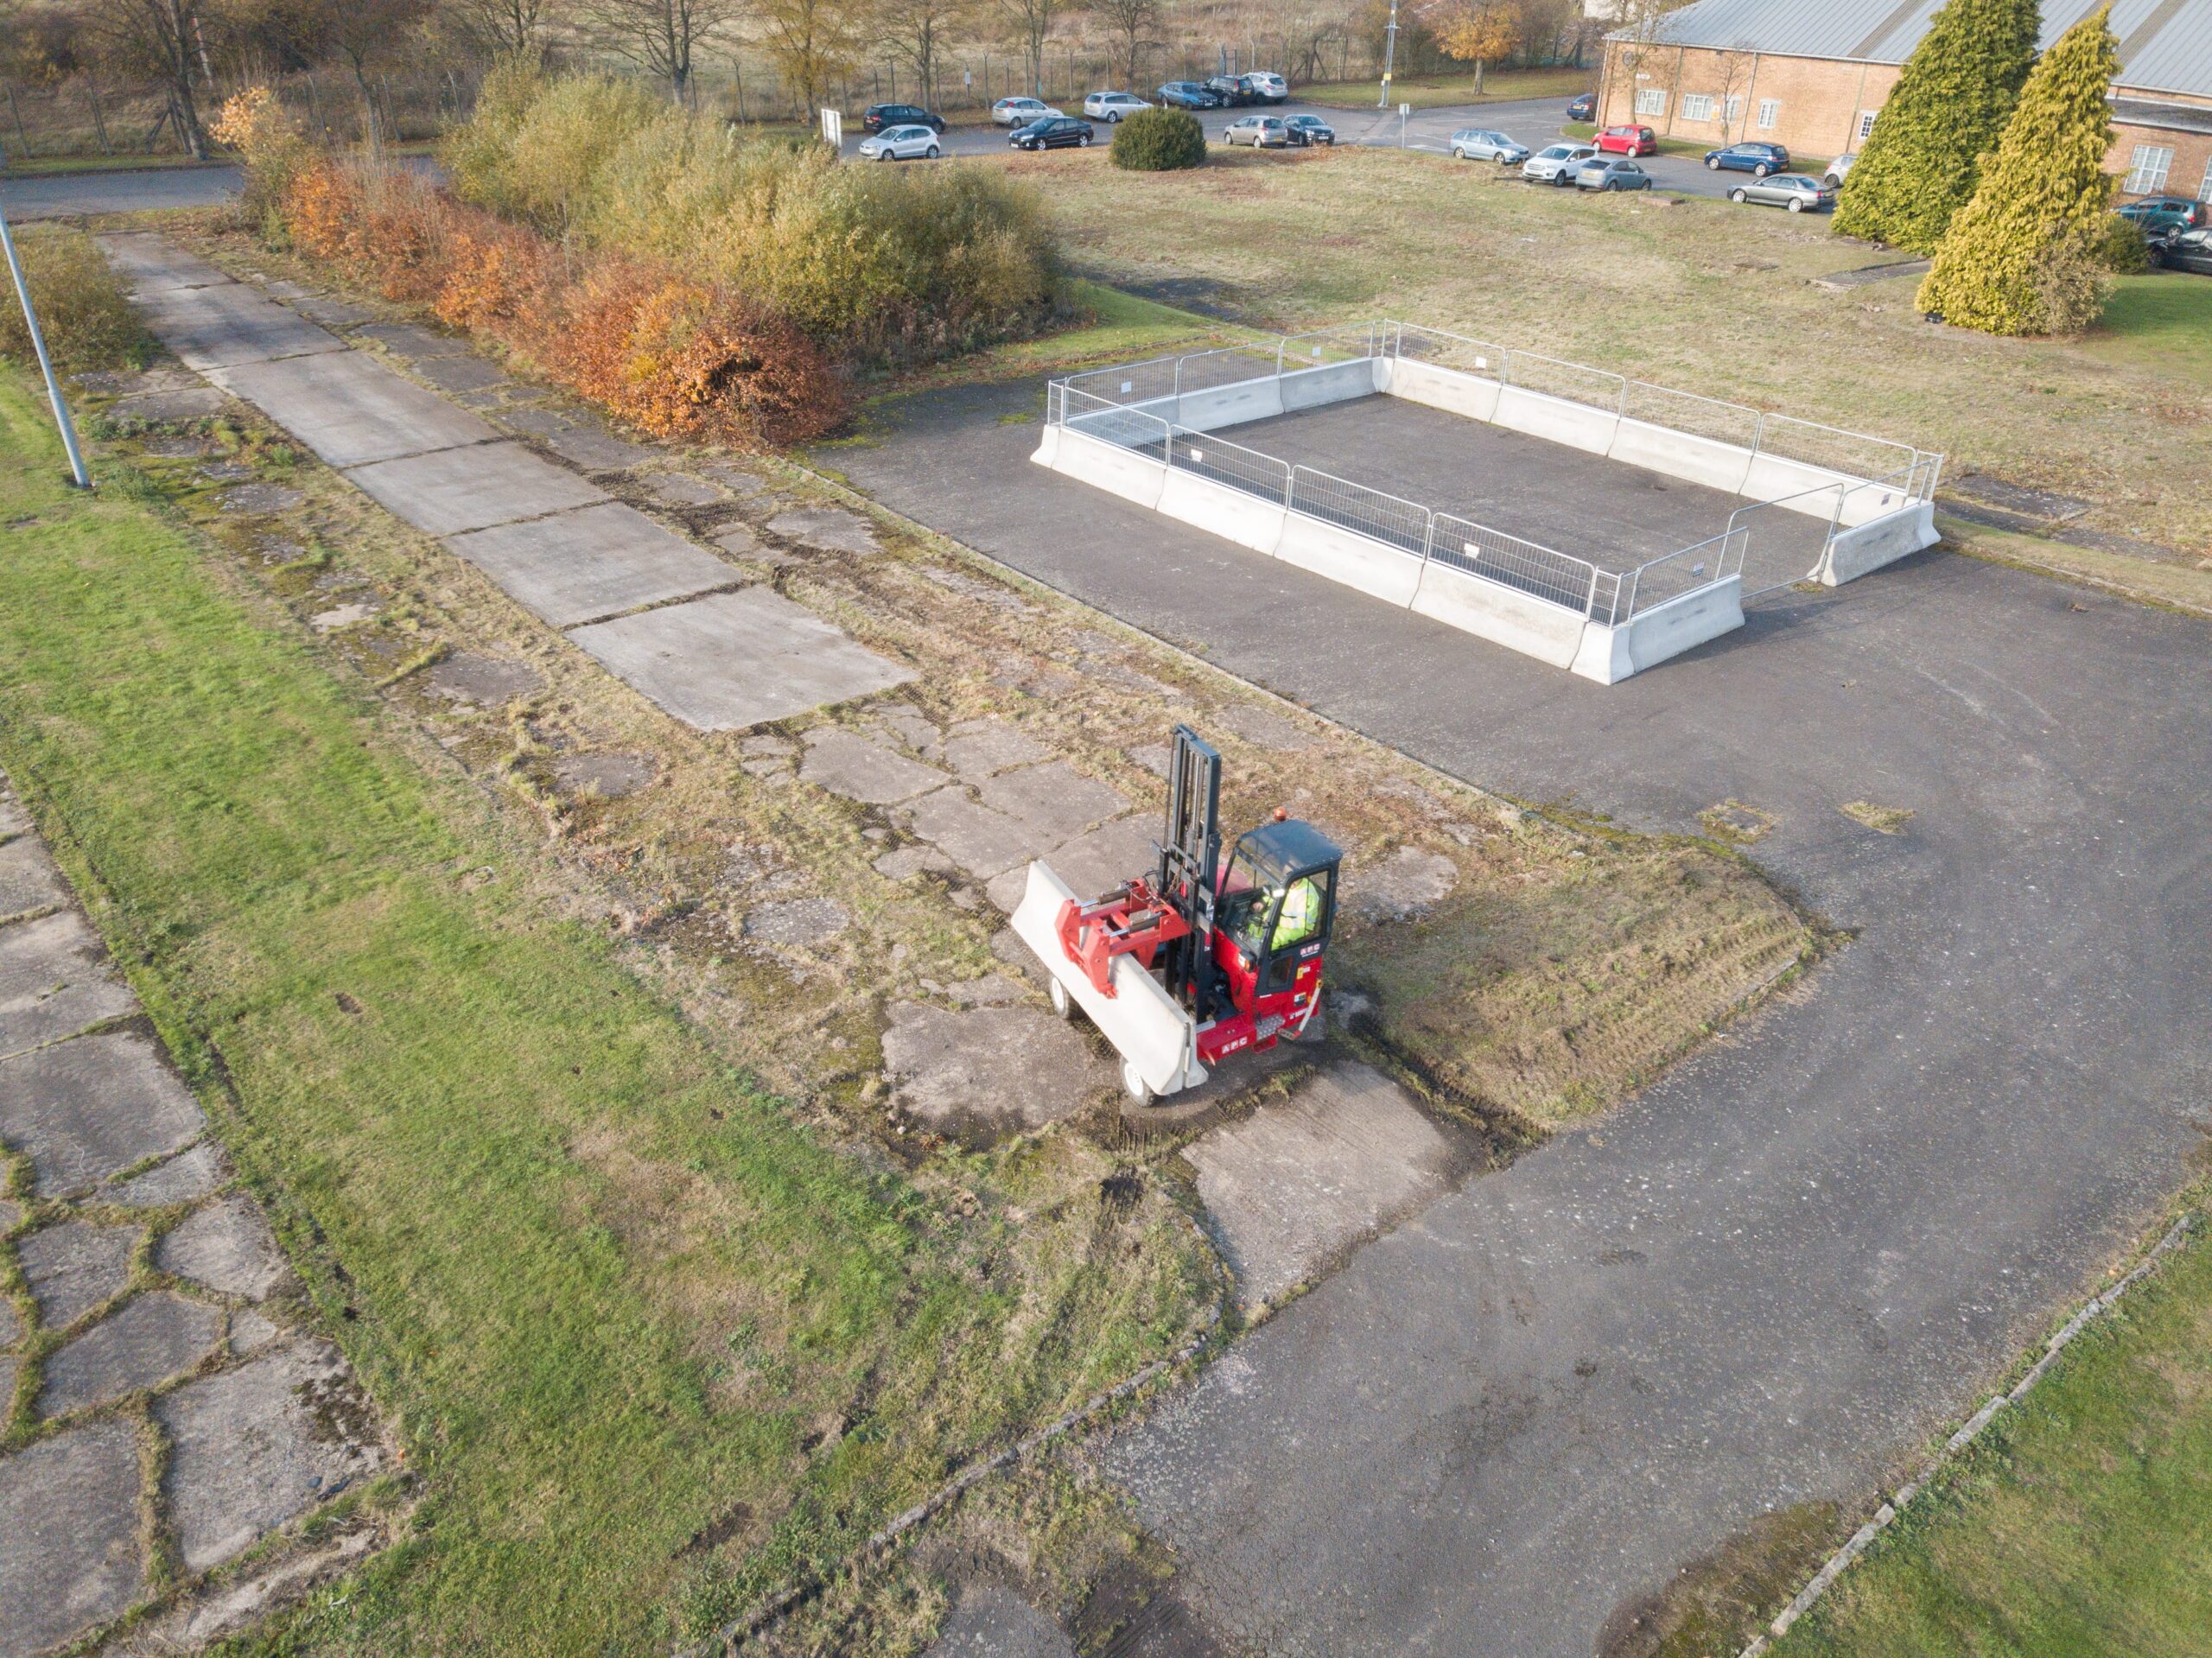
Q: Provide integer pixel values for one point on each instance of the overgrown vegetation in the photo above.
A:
(83, 313)
(1159, 140)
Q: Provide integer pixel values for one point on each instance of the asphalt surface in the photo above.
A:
(1766, 1280)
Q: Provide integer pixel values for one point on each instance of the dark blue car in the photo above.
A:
(1187, 95)
(1584, 108)
(1758, 160)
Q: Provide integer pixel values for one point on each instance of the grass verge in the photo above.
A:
(1443, 92)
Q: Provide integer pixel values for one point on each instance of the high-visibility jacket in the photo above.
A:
(1301, 912)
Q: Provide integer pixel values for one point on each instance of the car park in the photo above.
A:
(2183, 250)
(1791, 190)
(1020, 111)
(877, 116)
(1557, 163)
(1111, 107)
(2165, 213)
(1260, 131)
(1484, 144)
(1758, 160)
(901, 144)
(1310, 130)
(1053, 132)
(1629, 141)
(1188, 95)
(1584, 108)
(1839, 170)
(1611, 173)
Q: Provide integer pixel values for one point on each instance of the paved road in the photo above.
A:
(1764, 1280)
(58, 193)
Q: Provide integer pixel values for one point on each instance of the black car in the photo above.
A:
(1235, 91)
(879, 116)
(1054, 132)
(1584, 108)
(1311, 130)
(2183, 250)
(1188, 95)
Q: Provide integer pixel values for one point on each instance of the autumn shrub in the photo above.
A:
(83, 311)
(2122, 248)
(272, 151)
(541, 161)
(1159, 140)
(2072, 287)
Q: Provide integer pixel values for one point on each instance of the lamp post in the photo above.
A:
(77, 474)
(1389, 57)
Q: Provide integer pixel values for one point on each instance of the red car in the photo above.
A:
(1629, 141)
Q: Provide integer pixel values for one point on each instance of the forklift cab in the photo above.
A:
(1278, 902)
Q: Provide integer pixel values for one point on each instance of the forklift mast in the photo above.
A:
(1189, 875)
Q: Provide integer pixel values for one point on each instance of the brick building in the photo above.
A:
(1814, 76)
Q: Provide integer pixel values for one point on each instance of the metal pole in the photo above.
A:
(1389, 57)
(82, 479)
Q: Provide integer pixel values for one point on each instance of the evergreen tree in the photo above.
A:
(2038, 216)
(1952, 100)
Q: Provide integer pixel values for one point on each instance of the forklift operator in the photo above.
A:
(1302, 914)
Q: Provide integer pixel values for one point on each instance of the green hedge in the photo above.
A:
(1160, 141)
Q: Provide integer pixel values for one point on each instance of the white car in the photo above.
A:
(1839, 170)
(1481, 144)
(1271, 86)
(1112, 106)
(1557, 163)
(901, 144)
(1020, 111)
(1260, 131)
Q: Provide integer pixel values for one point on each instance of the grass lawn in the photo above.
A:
(1703, 297)
(616, 1298)
(1439, 91)
(2079, 1525)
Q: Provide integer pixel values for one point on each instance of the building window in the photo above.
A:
(2148, 175)
(1866, 123)
(1697, 106)
(1735, 110)
(1769, 114)
(2204, 190)
(1650, 100)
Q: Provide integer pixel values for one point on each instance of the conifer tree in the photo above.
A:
(1952, 100)
(2038, 216)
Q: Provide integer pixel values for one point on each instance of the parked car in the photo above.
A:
(877, 116)
(1758, 160)
(1054, 132)
(1482, 144)
(901, 144)
(1112, 106)
(1839, 170)
(1791, 190)
(1611, 173)
(1260, 131)
(1557, 163)
(1267, 86)
(1629, 141)
(1234, 91)
(2164, 213)
(1310, 130)
(1584, 108)
(1020, 111)
(2179, 250)
(1187, 95)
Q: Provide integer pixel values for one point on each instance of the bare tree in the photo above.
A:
(1732, 79)
(364, 32)
(1308, 33)
(158, 42)
(915, 32)
(812, 42)
(662, 37)
(502, 28)
(1031, 21)
(1132, 23)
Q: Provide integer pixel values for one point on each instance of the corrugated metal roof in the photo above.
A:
(2166, 45)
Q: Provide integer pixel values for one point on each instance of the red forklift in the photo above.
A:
(1198, 960)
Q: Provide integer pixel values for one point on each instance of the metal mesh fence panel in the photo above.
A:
(1370, 512)
(1131, 383)
(1451, 351)
(1685, 411)
(1525, 565)
(1853, 453)
(1676, 574)
(1321, 346)
(1202, 370)
(1231, 464)
(1570, 381)
(1109, 422)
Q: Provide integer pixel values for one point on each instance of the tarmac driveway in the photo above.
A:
(1764, 1282)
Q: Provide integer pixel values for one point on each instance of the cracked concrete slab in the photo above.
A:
(460, 373)
(990, 745)
(1400, 887)
(1054, 797)
(1298, 1182)
(92, 1107)
(451, 491)
(148, 263)
(989, 1071)
(611, 777)
(981, 841)
(55, 980)
(351, 409)
(597, 561)
(826, 526)
(29, 879)
(331, 312)
(192, 403)
(583, 442)
(848, 765)
(1091, 864)
(70, 1268)
(993, 1623)
(148, 1339)
(184, 1178)
(482, 681)
(228, 323)
(254, 1447)
(798, 921)
(226, 1246)
(738, 659)
(70, 1555)
(411, 340)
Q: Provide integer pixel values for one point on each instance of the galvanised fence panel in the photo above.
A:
(1525, 566)
(1389, 519)
(1232, 464)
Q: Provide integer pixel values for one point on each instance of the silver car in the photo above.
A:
(1020, 111)
(1260, 131)
(1557, 163)
(1481, 144)
(1112, 106)
(1839, 170)
(1791, 190)
(901, 144)
(1611, 173)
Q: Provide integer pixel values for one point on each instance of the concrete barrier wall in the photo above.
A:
(1108, 466)
(1354, 560)
(1309, 388)
(1451, 390)
(1795, 486)
(1682, 454)
(1609, 655)
(1555, 419)
(1502, 615)
(1221, 510)
(1860, 551)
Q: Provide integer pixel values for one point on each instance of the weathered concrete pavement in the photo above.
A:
(198, 1363)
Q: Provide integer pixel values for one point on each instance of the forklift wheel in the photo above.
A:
(1135, 1085)
(1061, 1004)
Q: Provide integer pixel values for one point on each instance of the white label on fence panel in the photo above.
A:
(1482, 362)
(1198, 457)
(1125, 386)
(1316, 351)
(1473, 551)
